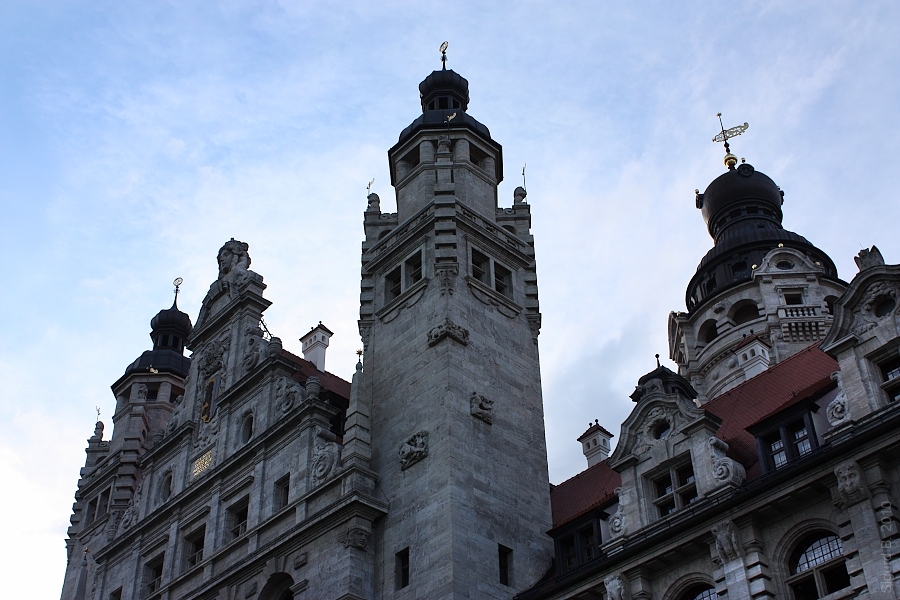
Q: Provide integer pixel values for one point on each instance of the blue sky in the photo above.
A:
(135, 138)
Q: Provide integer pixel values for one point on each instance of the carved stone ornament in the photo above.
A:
(113, 525)
(864, 317)
(175, 419)
(365, 331)
(356, 537)
(869, 258)
(851, 483)
(130, 516)
(617, 587)
(207, 433)
(534, 323)
(726, 471)
(443, 144)
(446, 274)
(313, 387)
(325, 454)
(374, 202)
(838, 410)
(481, 407)
(288, 394)
(233, 256)
(274, 347)
(448, 329)
(142, 392)
(727, 545)
(234, 273)
(618, 522)
(254, 348)
(718, 307)
(413, 450)
(657, 418)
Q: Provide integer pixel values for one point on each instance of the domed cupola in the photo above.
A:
(445, 98)
(444, 89)
(742, 210)
(168, 329)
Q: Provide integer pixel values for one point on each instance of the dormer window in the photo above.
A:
(674, 489)
(579, 546)
(790, 441)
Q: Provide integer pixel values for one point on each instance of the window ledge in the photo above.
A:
(487, 295)
(406, 299)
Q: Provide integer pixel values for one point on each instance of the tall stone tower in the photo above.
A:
(449, 320)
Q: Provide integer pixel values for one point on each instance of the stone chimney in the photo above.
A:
(595, 443)
(314, 345)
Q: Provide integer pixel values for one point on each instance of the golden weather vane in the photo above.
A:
(727, 134)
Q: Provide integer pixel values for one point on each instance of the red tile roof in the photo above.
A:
(793, 380)
(589, 489)
(797, 378)
(329, 381)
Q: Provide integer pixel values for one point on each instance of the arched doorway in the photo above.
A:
(278, 587)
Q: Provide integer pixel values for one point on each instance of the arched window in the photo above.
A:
(817, 567)
(708, 331)
(745, 312)
(247, 428)
(701, 591)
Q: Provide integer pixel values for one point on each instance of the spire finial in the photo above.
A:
(725, 135)
(444, 56)
(177, 283)
(524, 187)
(657, 361)
(369, 187)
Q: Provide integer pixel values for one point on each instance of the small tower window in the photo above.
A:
(505, 566)
(502, 280)
(401, 562)
(282, 488)
(414, 268)
(246, 428)
(745, 313)
(193, 547)
(392, 284)
(480, 266)
(792, 298)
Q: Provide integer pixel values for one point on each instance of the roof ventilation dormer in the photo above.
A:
(595, 443)
(314, 345)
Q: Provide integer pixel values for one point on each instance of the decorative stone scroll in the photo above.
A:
(864, 317)
(617, 587)
(838, 411)
(851, 483)
(130, 516)
(413, 450)
(448, 329)
(446, 274)
(325, 454)
(288, 394)
(726, 471)
(618, 521)
(481, 407)
(254, 348)
(727, 545)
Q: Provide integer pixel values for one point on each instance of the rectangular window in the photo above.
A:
(793, 298)
(789, 442)
(392, 285)
(193, 547)
(237, 519)
(103, 504)
(674, 489)
(90, 511)
(567, 552)
(280, 496)
(890, 372)
(480, 267)
(588, 542)
(413, 268)
(401, 561)
(153, 575)
(502, 280)
(504, 555)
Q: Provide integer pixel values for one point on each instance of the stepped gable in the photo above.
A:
(587, 490)
(793, 380)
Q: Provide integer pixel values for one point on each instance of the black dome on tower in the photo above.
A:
(443, 94)
(168, 329)
(742, 210)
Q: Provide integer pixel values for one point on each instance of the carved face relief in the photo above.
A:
(851, 485)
